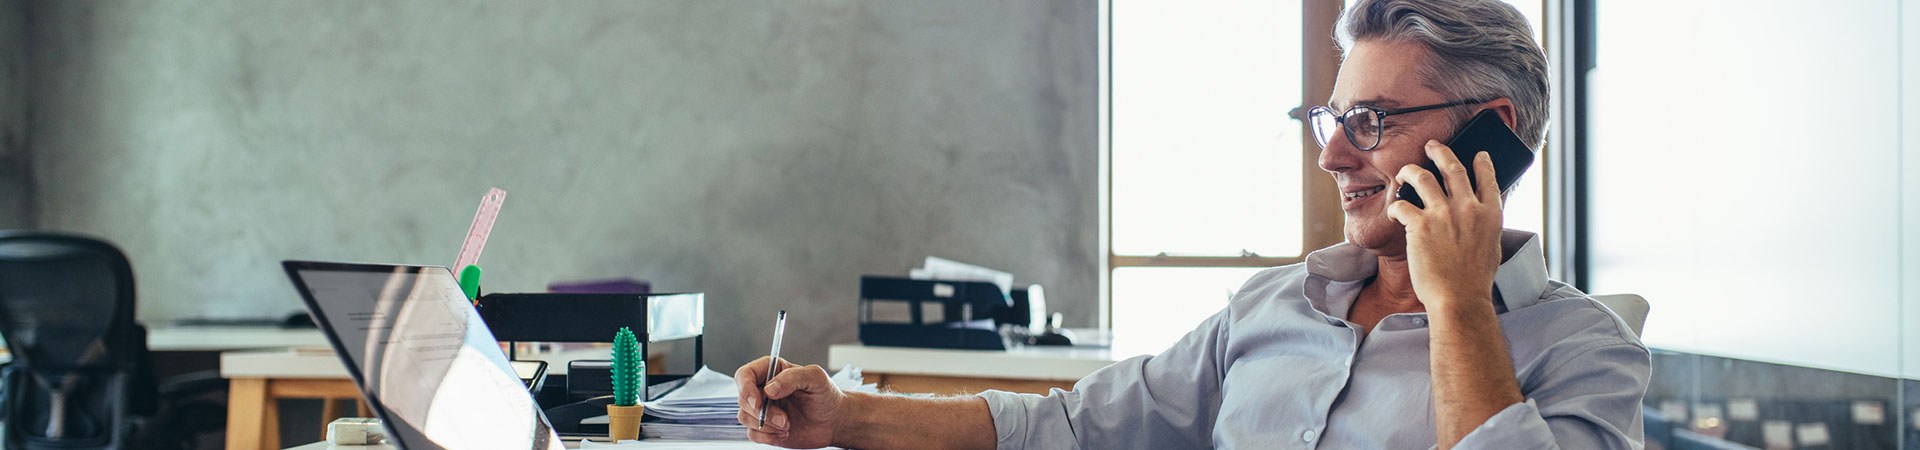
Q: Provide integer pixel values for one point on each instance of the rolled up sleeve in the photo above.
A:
(1167, 400)
(1592, 401)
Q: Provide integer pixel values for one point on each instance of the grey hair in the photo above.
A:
(1481, 50)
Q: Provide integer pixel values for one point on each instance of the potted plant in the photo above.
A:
(629, 380)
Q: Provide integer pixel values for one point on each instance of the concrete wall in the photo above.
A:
(16, 180)
(767, 153)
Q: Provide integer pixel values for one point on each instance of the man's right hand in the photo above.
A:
(806, 405)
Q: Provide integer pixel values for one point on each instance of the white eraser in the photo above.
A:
(356, 431)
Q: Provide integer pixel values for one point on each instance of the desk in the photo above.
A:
(219, 338)
(257, 381)
(1029, 369)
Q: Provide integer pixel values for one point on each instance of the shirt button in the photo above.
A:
(1419, 322)
(1308, 436)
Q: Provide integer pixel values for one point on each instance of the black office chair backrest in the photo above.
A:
(63, 298)
(78, 375)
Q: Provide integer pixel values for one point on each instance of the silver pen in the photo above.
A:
(773, 364)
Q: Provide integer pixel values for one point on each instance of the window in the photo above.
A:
(1526, 207)
(1817, 271)
(1208, 176)
(1208, 180)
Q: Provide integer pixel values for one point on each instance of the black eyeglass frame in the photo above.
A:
(1380, 117)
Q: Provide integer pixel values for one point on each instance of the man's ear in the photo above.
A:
(1503, 107)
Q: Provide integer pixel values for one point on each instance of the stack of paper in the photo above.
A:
(659, 430)
(707, 407)
(937, 268)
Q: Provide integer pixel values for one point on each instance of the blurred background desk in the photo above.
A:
(1028, 369)
(220, 338)
(259, 379)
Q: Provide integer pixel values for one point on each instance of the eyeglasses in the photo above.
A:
(1362, 123)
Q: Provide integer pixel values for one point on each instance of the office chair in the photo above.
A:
(80, 377)
(1631, 308)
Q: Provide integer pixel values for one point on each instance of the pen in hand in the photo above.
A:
(773, 364)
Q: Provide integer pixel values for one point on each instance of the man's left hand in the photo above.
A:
(1453, 246)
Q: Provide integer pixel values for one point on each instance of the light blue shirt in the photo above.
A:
(1281, 367)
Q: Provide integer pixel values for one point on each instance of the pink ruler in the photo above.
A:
(482, 224)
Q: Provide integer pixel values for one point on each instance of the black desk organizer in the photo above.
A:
(586, 389)
(960, 301)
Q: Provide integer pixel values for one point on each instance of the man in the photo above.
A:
(1428, 327)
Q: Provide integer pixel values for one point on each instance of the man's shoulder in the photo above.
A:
(1274, 284)
(1295, 271)
(1274, 278)
(1573, 318)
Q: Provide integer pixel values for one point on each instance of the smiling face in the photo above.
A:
(1383, 75)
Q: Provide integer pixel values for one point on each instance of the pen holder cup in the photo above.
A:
(623, 422)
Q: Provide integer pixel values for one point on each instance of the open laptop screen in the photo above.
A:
(422, 356)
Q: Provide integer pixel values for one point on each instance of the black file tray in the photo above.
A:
(556, 317)
(960, 302)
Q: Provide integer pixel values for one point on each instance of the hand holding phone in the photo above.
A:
(1453, 252)
(1484, 133)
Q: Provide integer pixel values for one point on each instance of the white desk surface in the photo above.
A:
(282, 363)
(1021, 362)
(228, 337)
(324, 364)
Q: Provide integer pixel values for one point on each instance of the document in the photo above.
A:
(707, 407)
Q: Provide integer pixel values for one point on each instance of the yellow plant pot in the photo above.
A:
(623, 422)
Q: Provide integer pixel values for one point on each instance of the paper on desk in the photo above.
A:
(707, 407)
(707, 386)
(703, 386)
(937, 268)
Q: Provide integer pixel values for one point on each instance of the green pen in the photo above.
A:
(470, 283)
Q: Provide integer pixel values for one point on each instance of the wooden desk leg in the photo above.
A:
(270, 415)
(246, 413)
(329, 411)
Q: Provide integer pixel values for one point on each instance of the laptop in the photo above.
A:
(426, 364)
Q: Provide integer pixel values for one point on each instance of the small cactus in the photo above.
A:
(627, 369)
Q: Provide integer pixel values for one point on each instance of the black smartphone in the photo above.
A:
(1485, 133)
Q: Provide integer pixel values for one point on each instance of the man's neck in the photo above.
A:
(1393, 285)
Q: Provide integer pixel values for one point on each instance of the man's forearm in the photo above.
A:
(1472, 371)
(881, 421)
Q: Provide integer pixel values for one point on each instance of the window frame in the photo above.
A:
(1321, 214)
(1568, 39)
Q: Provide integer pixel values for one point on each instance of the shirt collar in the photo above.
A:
(1521, 278)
